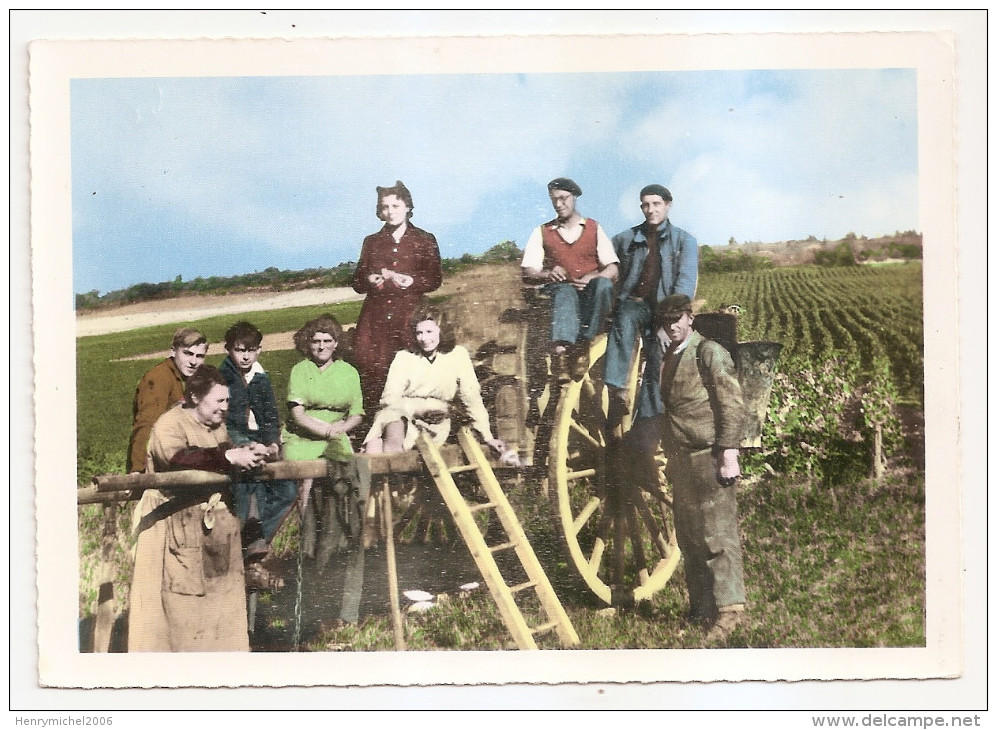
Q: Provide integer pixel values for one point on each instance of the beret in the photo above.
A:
(566, 184)
(673, 306)
(656, 190)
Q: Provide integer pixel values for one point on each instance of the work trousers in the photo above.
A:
(273, 500)
(707, 531)
(578, 315)
(631, 320)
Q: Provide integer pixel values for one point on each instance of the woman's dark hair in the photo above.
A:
(242, 333)
(398, 189)
(200, 382)
(448, 339)
(323, 323)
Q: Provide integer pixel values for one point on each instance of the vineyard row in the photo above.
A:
(859, 311)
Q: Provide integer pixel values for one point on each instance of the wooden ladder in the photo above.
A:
(484, 555)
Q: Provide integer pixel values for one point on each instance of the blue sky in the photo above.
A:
(221, 176)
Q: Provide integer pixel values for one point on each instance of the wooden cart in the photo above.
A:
(614, 513)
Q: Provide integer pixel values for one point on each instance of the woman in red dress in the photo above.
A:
(398, 264)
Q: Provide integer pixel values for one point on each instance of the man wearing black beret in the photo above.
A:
(657, 260)
(572, 260)
(694, 406)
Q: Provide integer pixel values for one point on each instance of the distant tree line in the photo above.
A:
(271, 279)
(840, 255)
(850, 250)
(712, 261)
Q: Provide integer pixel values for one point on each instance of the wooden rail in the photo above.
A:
(108, 488)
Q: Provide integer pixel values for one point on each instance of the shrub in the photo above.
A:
(840, 255)
(823, 417)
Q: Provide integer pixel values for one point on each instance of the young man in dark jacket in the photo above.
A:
(253, 418)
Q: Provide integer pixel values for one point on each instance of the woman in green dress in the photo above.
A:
(325, 404)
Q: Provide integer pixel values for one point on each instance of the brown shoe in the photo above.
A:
(258, 578)
(579, 359)
(728, 619)
(618, 409)
(559, 367)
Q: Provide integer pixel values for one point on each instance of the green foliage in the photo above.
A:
(877, 408)
(92, 519)
(825, 571)
(819, 420)
(898, 249)
(840, 255)
(504, 252)
(711, 261)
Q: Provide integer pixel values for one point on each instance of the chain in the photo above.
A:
(297, 597)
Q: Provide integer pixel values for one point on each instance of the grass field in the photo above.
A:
(827, 563)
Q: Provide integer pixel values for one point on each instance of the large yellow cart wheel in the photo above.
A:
(614, 508)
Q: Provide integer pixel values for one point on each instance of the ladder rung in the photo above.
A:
(503, 594)
(482, 506)
(544, 627)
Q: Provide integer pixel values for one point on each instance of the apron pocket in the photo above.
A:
(184, 569)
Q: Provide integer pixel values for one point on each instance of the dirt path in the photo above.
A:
(167, 311)
(182, 309)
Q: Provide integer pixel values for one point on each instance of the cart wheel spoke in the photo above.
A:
(637, 544)
(594, 562)
(585, 514)
(619, 547)
(631, 547)
(583, 432)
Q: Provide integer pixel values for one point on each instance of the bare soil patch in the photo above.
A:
(166, 311)
(180, 309)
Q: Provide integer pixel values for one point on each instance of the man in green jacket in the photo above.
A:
(701, 427)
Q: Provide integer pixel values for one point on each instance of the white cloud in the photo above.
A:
(291, 164)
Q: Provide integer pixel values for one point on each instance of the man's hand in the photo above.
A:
(582, 282)
(558, 273)
(728, 469)
(246, 457)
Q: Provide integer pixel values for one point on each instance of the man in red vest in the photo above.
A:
(573, 260)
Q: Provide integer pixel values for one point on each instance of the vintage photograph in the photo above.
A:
(611, 348)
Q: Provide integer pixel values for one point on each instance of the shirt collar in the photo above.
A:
(257, 368)
(556, 223)
(640, 238)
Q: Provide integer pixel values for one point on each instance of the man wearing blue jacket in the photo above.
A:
(657, 260)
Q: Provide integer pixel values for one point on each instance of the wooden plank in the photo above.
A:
(90, 495)
(122, 487)
(397, 627)
(172, 479)
(311, 469)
